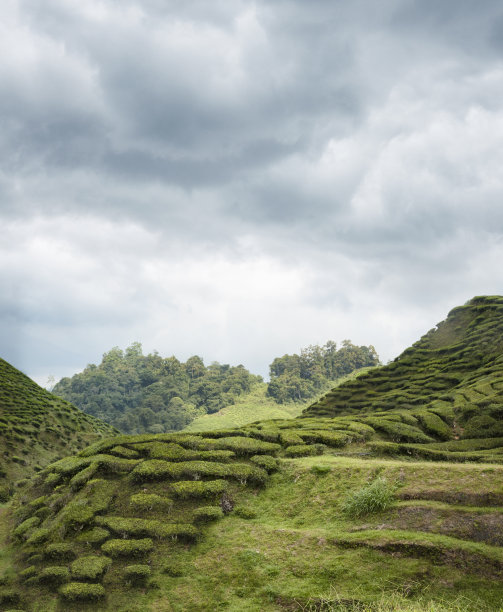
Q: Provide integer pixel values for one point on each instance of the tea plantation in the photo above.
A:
(387, 494)
(36, 428)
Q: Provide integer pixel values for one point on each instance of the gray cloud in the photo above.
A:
(241, 179)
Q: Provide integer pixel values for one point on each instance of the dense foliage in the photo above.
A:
(138, 393)
(299, 377)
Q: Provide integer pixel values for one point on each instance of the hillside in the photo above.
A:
(396, 507)
(36, 427)
(258, 405)
(455, 369)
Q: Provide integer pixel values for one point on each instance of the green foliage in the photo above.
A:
(483, 426)
(148, 393)
(82, 591)
(96, 535)
(38, 536)
(299, 377)
(60, 551)
(374, 497)
(247, 446)
(127, 548)
(270, 464)
(90, 568)
(54, 575)
(398, 432)
(25, 526)
(137, 575)
(137, 527)
(206, 514)
(435, 426)
(163, 470)
(304, 450)
(197, 489)
(150, 501)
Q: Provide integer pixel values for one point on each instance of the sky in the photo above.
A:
(239, 179)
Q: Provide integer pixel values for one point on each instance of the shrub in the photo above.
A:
(194, 488)
(377, 496)
(304, 450)
(150, 501)
(127, 548)
(162, 470)
(434, 425)
(246, 446)
(25, 526)
(56, 574)
(61, 551)
(29, 572)
(483, 426)
(90, 567)
(124, 452)
(53, 479)
(398, 432)
(206, 514)
(290, 438)
(136, 575)
(82, 591)
(266, 462)
(96, 535)
(80, 479)
(147, 527)
(38, 536)
(69, 465)
(330, 438)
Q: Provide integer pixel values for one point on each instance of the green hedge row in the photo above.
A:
(156, 469)
(138, 527)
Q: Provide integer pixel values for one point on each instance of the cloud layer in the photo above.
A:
(241, 179)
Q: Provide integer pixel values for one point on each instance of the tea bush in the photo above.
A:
(127, 548)
(194, 489)
(206, 514)
(82, 591)
(90, 567)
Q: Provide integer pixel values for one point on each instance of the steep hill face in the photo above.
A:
(455, 368)
(37, 427)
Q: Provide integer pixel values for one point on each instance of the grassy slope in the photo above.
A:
(460, 362)
(257, 406)
(37, 427)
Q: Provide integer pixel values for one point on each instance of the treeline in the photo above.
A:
(300, 377)
(139, 393)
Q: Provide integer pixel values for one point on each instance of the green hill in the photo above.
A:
(360, 504)
(257, 405)
(36, 427)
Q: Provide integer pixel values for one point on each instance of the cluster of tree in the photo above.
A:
(139, 393)
(300, 377)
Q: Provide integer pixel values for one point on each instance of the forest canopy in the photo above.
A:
(139, 393)
(300, 377)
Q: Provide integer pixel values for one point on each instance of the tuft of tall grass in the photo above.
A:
(376, 496)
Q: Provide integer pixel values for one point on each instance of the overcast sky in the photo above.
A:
(241, 179)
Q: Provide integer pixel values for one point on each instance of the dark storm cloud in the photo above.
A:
(227, 162)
